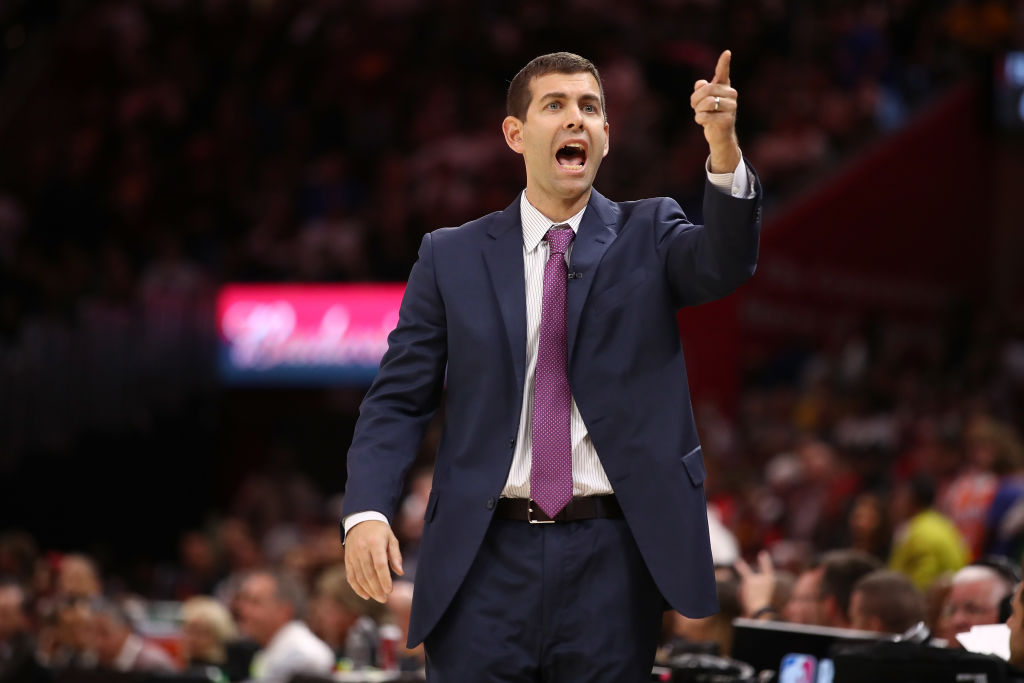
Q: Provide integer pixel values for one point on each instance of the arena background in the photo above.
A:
(156, 151)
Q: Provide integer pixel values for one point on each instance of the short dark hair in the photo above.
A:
(892, 598)
(517, 102)
(841, 569)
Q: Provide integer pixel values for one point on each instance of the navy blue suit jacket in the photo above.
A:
(464, 316)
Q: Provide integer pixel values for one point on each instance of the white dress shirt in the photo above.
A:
(293, 649)
(588, 475)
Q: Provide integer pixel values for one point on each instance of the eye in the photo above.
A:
(590, 109)
(552, 105)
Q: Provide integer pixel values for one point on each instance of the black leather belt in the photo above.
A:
(588, 507)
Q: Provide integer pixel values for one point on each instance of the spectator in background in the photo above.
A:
(18, 556)
(66, 635)
(764, 593)
(18, 662)
(196, 573)
(885, 601)
(399, 606)
(270, 608)
(818, 505)
(343, 620)
(993, 453)
(716, 630)
(1004, 520)
(206, 630)
(803, 605)
(973, 600)
(78, 577)
(119, 648)
(927, 544)
(869, 526)
(840, 571)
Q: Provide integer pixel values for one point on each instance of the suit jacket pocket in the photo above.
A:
(694, 464)
(609, 298)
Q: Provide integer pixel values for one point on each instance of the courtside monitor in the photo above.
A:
(764, 644)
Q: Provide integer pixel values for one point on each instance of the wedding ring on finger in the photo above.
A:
(717, 101)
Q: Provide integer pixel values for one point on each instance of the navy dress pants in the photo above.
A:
(569, 602)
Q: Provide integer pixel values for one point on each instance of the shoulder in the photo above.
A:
(654, 209)
(469, 231)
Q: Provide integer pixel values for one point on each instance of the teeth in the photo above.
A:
(571, 167)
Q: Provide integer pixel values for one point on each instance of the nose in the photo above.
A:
(573, 118)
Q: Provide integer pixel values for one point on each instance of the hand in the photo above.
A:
(368, 548)
(719, 124)
(756, 589)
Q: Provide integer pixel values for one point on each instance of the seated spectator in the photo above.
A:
(803, 605)
(270, 607)
(18, 662)
(206, 629)
(343, 620)
(927, 544)
(840, 572)
(885, 601)
(973, 600)
(399, 606)
(78, 577)
(763, 594)
(65, 638)
(712, 634)
(119, 648)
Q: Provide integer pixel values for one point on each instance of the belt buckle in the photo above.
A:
(529, 515)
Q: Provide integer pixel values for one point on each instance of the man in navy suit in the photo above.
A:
(567, 510)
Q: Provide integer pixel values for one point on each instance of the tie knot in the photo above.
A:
(559, 238)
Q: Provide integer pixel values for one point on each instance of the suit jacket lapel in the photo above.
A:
(504, 259)
(596, 233)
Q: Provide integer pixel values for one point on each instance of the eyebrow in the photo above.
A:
(562, 96)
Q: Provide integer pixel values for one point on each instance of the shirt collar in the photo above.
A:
(536, 224)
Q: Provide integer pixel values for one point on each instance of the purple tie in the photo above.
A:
(551, 466)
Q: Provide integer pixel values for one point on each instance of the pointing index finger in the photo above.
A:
(722, 68)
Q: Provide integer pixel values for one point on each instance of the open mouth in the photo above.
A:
(571, 156)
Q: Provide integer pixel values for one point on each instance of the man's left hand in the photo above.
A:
(714, 105)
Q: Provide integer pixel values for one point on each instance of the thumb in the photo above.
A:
(395, 555)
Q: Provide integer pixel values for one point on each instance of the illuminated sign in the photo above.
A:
(305, 334)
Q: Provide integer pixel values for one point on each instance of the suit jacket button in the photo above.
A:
(512, 443)
(490, 503)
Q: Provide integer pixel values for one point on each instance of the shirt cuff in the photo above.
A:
(358, 517)
(736, 183)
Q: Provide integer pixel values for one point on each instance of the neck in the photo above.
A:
(556, 209)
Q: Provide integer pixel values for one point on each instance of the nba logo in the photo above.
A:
(797, 668)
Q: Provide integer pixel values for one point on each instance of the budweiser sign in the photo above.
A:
(305, 333)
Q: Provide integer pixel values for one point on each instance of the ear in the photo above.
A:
(513, 130)
(607, 140)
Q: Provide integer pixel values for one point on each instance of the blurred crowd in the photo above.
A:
(861, 488)
(155, 149)
(258, 595)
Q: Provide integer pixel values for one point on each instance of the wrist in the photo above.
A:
(725, 158)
